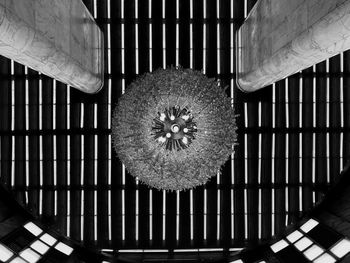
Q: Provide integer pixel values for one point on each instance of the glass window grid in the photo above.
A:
(16, 257)
(293, 241)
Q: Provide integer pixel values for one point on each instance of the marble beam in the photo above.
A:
(59, 38)
(282, 37)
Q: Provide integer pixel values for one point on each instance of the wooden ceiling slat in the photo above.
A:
(75, 178)
(170, 28)
(280, 158)
(33, 88)
(293, 148)
(184, 220)
(198, 222)
(102, 196)
(19, 124)
(198, 34)
(170, 220)
(346, 112)
(321, 141)
(61, 143)
(184, 33)
(157, 219)
(157, 35)
(212, 209)
(307, 138)
(334, 118)
(266, 169)
(144, 216)
(143, 31)
(307, 143)
(47, 150)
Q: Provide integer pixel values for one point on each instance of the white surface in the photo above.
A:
(325, 258)
(313, 252)
(40, 247)
(309, 225)
(341, 248)
(48, 239)
(303, 243)
(32, 228)
(64, 248)
(5, 253)
(17, 260)
(294, 236)
(30, 255)
(278, 246)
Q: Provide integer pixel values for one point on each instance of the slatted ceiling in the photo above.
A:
(95, 202)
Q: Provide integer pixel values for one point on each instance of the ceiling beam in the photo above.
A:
(282, 37)
(58, 38)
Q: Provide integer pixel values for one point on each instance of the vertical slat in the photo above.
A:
(321, 119)
(184, 221)
(280, 163)
(144, 66)
(89, 175)
(116, 71)
(198, 223)
(47, 147)
(293, 162)
(5, 124)
(20, 126)
(33, 83)
(144, 39)
(170, 27)
(223, 73)
(170, 228)
(157, 53)
(334, 116)
(184, 33)
(198, 34)
(210, 52)
(61, 116)
(346, 113)
(75, 169)
(266, 168)
(102, 124)
(157, 218)
(307, 140)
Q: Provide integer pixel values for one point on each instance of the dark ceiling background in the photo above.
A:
(56, 154)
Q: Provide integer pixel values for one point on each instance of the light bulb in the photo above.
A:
(172, 117)
(168, 135)
(162, 117)
(185, 130)
(185, 117)
(161, 139)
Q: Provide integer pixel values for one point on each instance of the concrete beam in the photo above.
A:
(56, 37)
(282, 37)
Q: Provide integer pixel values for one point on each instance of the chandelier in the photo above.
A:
(174, 128)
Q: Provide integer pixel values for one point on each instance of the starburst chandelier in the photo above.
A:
(174, 128)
